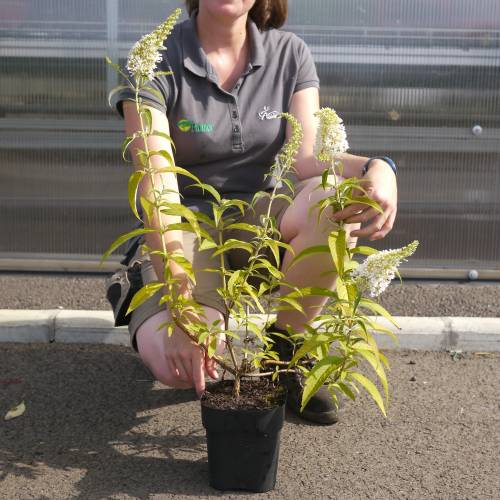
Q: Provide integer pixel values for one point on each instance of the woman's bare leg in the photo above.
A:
(301, 230)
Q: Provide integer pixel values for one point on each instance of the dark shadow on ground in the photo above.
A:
(85, 409)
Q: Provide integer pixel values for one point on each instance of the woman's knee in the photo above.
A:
(305, 219)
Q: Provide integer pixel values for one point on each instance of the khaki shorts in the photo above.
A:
(204, 292)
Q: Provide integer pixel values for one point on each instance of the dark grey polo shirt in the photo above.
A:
(228, 139)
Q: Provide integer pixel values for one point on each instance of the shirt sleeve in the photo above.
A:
(158, 99)
(307, 74)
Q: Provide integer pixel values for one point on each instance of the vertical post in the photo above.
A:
(112, 43)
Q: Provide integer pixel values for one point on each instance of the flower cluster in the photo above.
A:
(331, 138)
(377, 271)
(285, 158)
(145, 54)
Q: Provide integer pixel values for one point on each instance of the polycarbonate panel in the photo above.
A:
(417, 81)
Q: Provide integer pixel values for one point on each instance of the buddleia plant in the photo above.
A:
(340, 340)
(242, 290)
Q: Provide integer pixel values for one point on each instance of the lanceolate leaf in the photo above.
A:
(377, 309)
(115, 89)
(146, 292)
(370, 388)
(364, 250)
(147, 117)
(309, 251)
(310, 345)
(364, 200)
(165, 136)
(125, 144)
(156, 92)
(148, 207)
(318, 376)
(133, 184)
(122, 239)
(377, 367)
(337, 246)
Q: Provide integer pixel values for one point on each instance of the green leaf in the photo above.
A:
(312, 250)
(165, 136)
(116, 67)
(364, 200)
(148, 118)
(377, 309)
(133, 184)
(175, 169)
(145, 293)
(122, 239)
(207, 187)
(377, 368)
(207, 245)
(244, 227)
(232, 243)
(114, 90)
(272, 244)
(364, 250)
(165, 154)
(318, 376)
(125, 144)
(148, 207)
(346, 390)
(181, 210)
(337, 246)
(156, 92)
(284, 197)
(310, 345)
(371, 389)
(294, 303)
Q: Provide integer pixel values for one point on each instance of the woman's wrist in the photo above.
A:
(379, 162)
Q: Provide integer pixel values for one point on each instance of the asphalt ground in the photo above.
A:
(22, 290)
(97, 426)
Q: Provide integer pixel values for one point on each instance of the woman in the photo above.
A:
(233, 70)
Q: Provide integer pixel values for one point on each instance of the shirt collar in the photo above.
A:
(196, 60)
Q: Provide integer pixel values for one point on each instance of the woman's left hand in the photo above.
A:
(381, 187)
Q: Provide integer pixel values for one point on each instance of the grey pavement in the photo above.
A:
(96, 426)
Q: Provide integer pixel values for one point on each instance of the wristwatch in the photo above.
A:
(388, 160)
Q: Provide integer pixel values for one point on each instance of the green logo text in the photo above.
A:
(186, 125)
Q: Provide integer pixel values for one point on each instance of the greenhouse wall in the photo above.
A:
(417, 81)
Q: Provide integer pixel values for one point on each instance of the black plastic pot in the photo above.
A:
(243, 447)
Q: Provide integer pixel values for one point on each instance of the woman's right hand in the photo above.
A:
(175, 360)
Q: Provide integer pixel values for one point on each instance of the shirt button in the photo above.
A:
(235, 114)
(236, 128)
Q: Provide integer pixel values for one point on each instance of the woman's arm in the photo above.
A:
(380, 179)
(173, 239)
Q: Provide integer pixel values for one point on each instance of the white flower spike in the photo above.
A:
(145, 54)
(331, 137)
(377, 270)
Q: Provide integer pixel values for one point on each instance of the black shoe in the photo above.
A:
(320, 408)
(121, 288)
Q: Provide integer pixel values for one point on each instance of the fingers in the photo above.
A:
(376, 225)
(210, 367)
(385, 228)
(182, 370)
(349, 211)
(363, 216)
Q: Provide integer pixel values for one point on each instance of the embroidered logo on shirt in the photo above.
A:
(186, 125)
(267, 114)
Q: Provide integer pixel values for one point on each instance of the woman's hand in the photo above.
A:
(186, 362)
(381, 187)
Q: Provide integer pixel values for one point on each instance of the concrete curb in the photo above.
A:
(97, 327)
